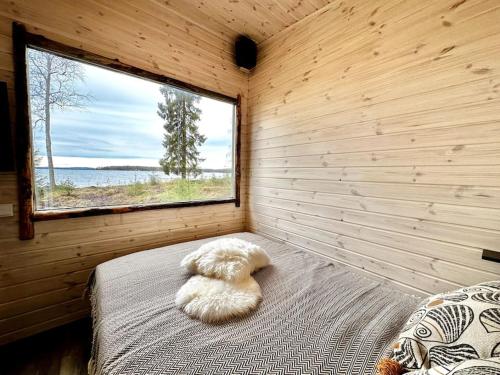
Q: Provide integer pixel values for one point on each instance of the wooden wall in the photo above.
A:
(375, 138)
(257, 19)
(41, 281)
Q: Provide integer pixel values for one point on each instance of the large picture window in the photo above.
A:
(105, 136)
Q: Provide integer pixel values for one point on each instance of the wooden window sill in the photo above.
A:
(95, 211)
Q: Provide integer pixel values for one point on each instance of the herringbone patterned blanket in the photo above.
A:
(315, 318)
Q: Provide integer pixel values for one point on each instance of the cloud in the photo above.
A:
(121, 123)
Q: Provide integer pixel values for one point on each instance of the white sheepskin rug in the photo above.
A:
(224, 288)
(214, 301)
(226, 258)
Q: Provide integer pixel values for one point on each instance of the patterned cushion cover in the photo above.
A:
(453, 329)
(490, 366)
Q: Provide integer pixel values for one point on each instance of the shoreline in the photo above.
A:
(154, 191)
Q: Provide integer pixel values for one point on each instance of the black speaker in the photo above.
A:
(245, 52)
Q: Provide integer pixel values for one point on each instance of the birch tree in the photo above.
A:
(53, 83)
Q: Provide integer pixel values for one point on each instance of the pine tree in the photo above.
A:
(182, 137)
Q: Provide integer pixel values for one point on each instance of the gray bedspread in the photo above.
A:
(315, 318)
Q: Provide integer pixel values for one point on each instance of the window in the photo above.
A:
(105, 138)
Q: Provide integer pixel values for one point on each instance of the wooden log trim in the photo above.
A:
(23, 135)
(42, 43)
(237, 166)
(27, 214)
(95, 211)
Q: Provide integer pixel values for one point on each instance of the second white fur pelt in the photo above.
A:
(214, 300)
(224, 288)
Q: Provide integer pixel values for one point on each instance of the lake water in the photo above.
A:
(99, 177)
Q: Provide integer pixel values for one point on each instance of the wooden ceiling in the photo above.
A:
(259, 19)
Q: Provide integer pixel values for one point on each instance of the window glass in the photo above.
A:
(105, 138)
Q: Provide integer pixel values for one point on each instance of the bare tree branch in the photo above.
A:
(53, 82)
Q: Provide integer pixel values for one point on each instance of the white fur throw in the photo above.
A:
(214, 300)
(226, 258)
(224, 288)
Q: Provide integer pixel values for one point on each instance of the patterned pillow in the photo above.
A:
(450, 328)
(490, 366)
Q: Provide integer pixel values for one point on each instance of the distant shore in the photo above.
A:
(135, 168)
(112, 177)
(67, 195)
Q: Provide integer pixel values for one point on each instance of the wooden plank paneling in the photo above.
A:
(41, 280)
(258, 19)
(375, 139)
(425, 211)
(476, 196)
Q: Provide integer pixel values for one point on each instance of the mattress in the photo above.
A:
(316, 317)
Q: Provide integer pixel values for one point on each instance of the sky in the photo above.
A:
(120, 125)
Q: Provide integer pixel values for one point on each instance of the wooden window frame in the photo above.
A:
(24, 158)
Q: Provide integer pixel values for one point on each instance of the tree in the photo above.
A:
(182, 137)
(52, 83)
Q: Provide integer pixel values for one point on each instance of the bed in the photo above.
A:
(316, 317)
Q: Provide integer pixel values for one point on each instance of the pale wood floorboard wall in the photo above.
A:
(41, 281)
(375, 138)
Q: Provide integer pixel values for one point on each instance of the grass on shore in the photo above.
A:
(66, 195)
